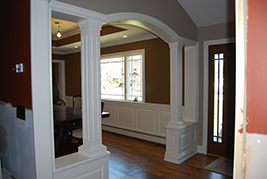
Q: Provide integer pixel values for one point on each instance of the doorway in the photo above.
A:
(58, 79)
(221, 113)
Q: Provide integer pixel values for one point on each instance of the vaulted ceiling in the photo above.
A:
(209, 12)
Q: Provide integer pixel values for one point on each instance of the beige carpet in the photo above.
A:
(221, 165)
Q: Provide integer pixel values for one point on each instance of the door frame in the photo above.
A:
(62, 87)
(204, 147)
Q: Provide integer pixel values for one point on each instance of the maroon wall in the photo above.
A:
(15, 48)
(256, 67)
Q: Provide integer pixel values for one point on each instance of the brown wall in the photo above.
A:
(73, 74)
(58, 57)
(15, 48)
(157, 68)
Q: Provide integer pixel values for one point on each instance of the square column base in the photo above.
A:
(181, 142)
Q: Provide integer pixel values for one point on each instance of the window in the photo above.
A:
(122, 76)
(218, 97)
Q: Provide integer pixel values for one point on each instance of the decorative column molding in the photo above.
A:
(91, 97)
(176, 50)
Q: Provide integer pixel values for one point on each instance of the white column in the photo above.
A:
(91, 96)
(176, 50)
(172, 128)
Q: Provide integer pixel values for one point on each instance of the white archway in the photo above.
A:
(176, 127)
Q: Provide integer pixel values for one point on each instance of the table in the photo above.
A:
(64, 118)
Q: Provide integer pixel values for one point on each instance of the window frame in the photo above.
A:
(125, 54)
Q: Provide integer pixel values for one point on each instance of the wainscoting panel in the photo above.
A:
(188, 139)
(81, 167)
(126, 117)
(141, 120)
(146, 120)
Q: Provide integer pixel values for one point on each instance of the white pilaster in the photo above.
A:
(91, 97)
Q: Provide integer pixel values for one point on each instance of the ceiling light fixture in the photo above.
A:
(76, 46)
(124, 36)
(58, 32)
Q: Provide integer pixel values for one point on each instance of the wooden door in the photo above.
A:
(221, 100)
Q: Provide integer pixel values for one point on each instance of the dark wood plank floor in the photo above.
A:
(132, 158)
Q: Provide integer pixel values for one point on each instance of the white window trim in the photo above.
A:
(125, 53)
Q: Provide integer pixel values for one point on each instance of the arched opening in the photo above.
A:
(153, 113)
(90, 73)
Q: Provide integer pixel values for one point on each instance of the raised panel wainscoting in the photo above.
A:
(148, 122)
(145, 121)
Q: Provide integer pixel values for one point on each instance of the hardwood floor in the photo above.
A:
(132, 158)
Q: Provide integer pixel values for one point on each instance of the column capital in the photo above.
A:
(90, 24)
(178, 45)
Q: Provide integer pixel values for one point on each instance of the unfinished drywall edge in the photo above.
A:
(17, 149)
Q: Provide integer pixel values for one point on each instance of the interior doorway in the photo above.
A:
(221, 113)
(58, 79)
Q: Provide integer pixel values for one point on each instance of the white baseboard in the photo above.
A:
(202, 149)
(135, 134)
(187, 154)
(181, 157)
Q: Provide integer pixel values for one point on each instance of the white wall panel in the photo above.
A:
(138, 119)
(126, 116)
(188, 138)
(146, 120)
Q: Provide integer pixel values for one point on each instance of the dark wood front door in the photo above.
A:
(221, 100)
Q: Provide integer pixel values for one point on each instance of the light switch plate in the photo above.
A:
(19, 68)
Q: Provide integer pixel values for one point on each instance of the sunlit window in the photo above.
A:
(218, 97)
(122, 76)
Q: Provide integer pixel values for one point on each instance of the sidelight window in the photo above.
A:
(218, 97)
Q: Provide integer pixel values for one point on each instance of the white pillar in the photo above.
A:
(176, 50)
(91, 96)
(172, 128)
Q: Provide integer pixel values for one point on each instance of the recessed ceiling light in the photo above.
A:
(76, 46)
(124, 36)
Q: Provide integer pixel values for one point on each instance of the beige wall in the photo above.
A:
(219, 31)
